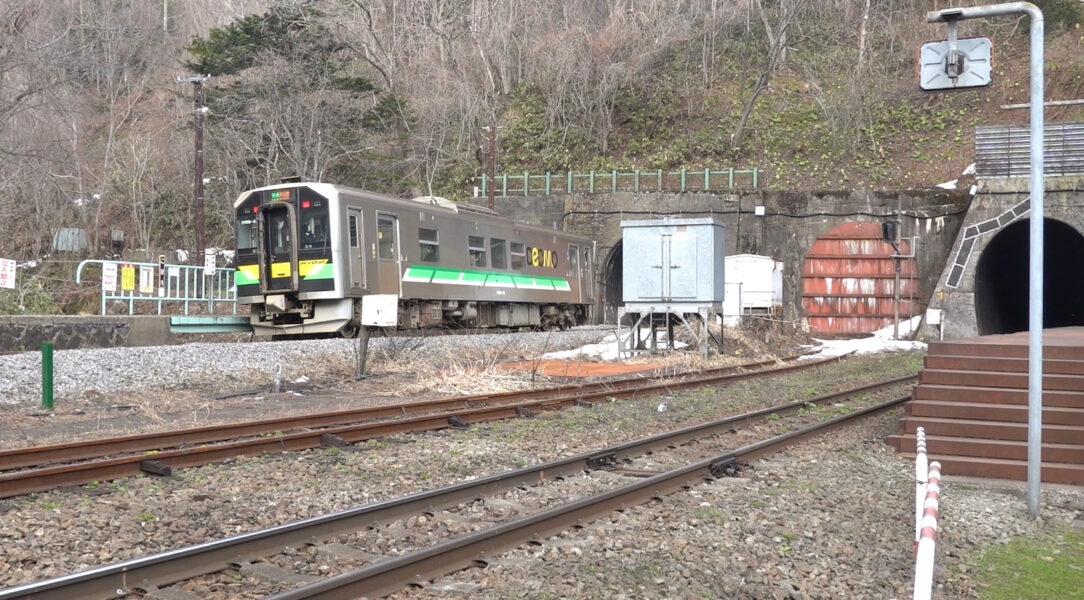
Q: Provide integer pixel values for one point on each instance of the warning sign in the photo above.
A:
(7, 273)
(127, 278)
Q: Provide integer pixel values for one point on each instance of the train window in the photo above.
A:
(428, 245)
(385, 233)
(497, 253)
(519, 256)
(280, 231)
(246, 231)
(353, 231)
(314, 227)
(476, 246)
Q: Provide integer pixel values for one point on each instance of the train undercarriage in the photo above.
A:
(285, 316)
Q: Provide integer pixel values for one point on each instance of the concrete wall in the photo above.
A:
(792, 221)
(68, 332)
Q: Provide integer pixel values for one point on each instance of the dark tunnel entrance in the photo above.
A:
(611, 286)
(1001, 279)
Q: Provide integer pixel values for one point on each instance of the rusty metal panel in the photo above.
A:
(849, 281)
(856, 267)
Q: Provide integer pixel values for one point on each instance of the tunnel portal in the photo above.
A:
(1001, 279)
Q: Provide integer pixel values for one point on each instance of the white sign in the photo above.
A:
(209, 263)
(109, 277)
(939, 68)
(7, 273)
(146, 280)
(933, 316)
(380, 310)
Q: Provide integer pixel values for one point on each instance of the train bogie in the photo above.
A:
(310, 253)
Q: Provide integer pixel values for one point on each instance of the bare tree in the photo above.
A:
(777, 27)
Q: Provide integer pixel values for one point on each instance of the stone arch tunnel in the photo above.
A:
(1002, 278)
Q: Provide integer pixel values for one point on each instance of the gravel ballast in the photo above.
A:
(831, 518)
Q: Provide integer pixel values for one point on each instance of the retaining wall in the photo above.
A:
(68, 332)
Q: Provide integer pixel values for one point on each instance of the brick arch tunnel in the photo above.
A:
(1001, 278)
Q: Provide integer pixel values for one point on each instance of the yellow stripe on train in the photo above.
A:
(304, 267)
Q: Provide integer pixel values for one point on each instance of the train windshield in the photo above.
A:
(246, 231)
(314, 225)
(247, 225)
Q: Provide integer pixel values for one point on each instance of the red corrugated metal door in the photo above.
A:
(848, 281)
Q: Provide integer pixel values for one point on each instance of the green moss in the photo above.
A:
(1051, 566)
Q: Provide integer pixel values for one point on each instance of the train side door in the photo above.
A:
(356, 249)
(278, 248)
(574, 272)
(587, 274)
(387, 253)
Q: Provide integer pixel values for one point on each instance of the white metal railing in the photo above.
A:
(927, 501)
(159, 283)
(921, 472)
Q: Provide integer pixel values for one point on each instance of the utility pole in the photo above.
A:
(491, 160)
(199, 109)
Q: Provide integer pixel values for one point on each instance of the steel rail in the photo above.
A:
(390, 575)
(91, 449)
(116, 580)
(36, 480)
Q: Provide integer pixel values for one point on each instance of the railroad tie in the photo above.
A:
(155, 467)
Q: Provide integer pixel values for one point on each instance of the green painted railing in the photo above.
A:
(659, 180)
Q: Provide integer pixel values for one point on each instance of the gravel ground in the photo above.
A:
(831, 518)
(243, 365)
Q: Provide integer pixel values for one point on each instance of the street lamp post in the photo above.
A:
(1037, 188)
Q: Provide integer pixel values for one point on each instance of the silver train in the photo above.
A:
(309, 254)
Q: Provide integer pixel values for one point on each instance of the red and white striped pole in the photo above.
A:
(924, 556)
(920, 479)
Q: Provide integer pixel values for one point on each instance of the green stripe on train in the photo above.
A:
(324, 271)
(424, 274)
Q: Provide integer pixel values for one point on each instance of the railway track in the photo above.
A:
(160, 453)
(705, 451)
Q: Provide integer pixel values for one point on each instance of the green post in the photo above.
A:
(754, 178)
(683, 179)
(526, 184)
(731, 177)
(504, 185)
(547, 183)
(484, 193)
(570, 182)
(47, 375)
(707, 179)
(591, 188)
(636, 186)
(613, 182)
(660, 180)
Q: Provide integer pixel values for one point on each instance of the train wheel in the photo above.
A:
(349, 331)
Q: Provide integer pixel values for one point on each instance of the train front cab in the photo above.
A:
(286, 256)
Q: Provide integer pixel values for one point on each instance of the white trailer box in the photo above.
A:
(754, 285)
